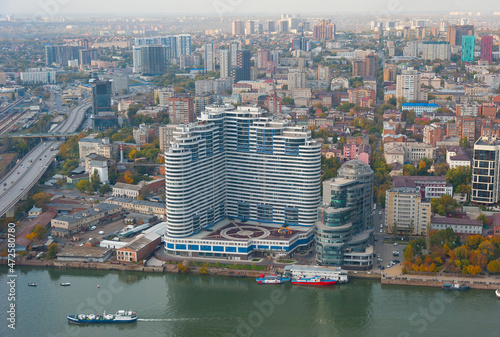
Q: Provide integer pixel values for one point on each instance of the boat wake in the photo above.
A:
(167, 319)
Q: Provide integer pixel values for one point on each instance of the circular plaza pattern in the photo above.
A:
(244, 232)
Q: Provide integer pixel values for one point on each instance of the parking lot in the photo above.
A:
(107, 229)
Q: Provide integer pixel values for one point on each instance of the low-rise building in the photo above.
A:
(141, 206)
(67, 225)
(144, 188)
(460, 226)
(84, 254)
(139, 248)
(429, 186)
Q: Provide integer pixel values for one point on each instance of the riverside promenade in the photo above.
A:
(395, 276)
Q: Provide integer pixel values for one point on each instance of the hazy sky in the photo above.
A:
(236, 7)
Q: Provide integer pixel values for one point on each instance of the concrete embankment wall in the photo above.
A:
(167, 268)
(479, 284)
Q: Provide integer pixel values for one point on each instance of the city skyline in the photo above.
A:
(236, 7)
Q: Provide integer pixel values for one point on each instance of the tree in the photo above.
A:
(440, 169)
(409, 170)
(494, 266)
(41, 199)
(37, 233)
(411, 228)
(408, 255)
(460, 178)
(52, 251)
(104, 189)
(483, 218)
(94, 181)
(464, 142)
(83, 186)
(393, 229)
(444, 205)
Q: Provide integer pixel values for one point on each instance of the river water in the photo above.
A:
(192, 305)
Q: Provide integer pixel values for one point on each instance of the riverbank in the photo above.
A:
(166, 268)
(393, 278)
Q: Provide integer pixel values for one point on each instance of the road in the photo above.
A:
(31, 168)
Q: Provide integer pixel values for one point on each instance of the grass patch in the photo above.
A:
(255, 260)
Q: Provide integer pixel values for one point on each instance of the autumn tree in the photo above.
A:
(37, 233)
(83, 186)
(444, 205)
(94, 181)
(41, 199)
(440, 169)
(52, 251)
(408, 255)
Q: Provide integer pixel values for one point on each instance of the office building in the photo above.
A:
(468, 46)
(366, 67)
(430, 187)
(263, 57)
(455, 33)
(101, 96)
(436, 50)
(60, 54)
(38, 77)
(284, 26)
(154, 59)
(238, 166)
(166, 134)
(238, 28)
(270, 26)
(224, 62)
(250, 27)
(241, 71)
(486, 172)
(344, 230)
(181, 109)
(324, 30)
(407, 212)
(296, 79)
(487, 48)
(233, 48)
(390, 72)
(209, 57)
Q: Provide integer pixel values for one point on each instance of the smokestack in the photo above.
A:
(121, 152)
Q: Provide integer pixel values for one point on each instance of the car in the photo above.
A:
(380, 212)
(380, 260)
(395, 243)
(381, 231)
(4, 184)
(389, 265)
(378, 255)
(40, 158)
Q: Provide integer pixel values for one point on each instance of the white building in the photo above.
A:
(239, 164)
(459, 226)
(436, 50)
(38, 77)
(296, 79)
(408, 85)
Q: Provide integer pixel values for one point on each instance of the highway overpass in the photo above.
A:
(16, 184)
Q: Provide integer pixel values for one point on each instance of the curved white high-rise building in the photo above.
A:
(240, 164)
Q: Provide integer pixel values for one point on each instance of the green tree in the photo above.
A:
(460, 178)
(444, 205)
(104, 189)
(52, 251)
(483, 218)
(409, 170)
(94, 181)
(464, 142)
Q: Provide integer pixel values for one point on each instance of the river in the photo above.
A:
(193, 305)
